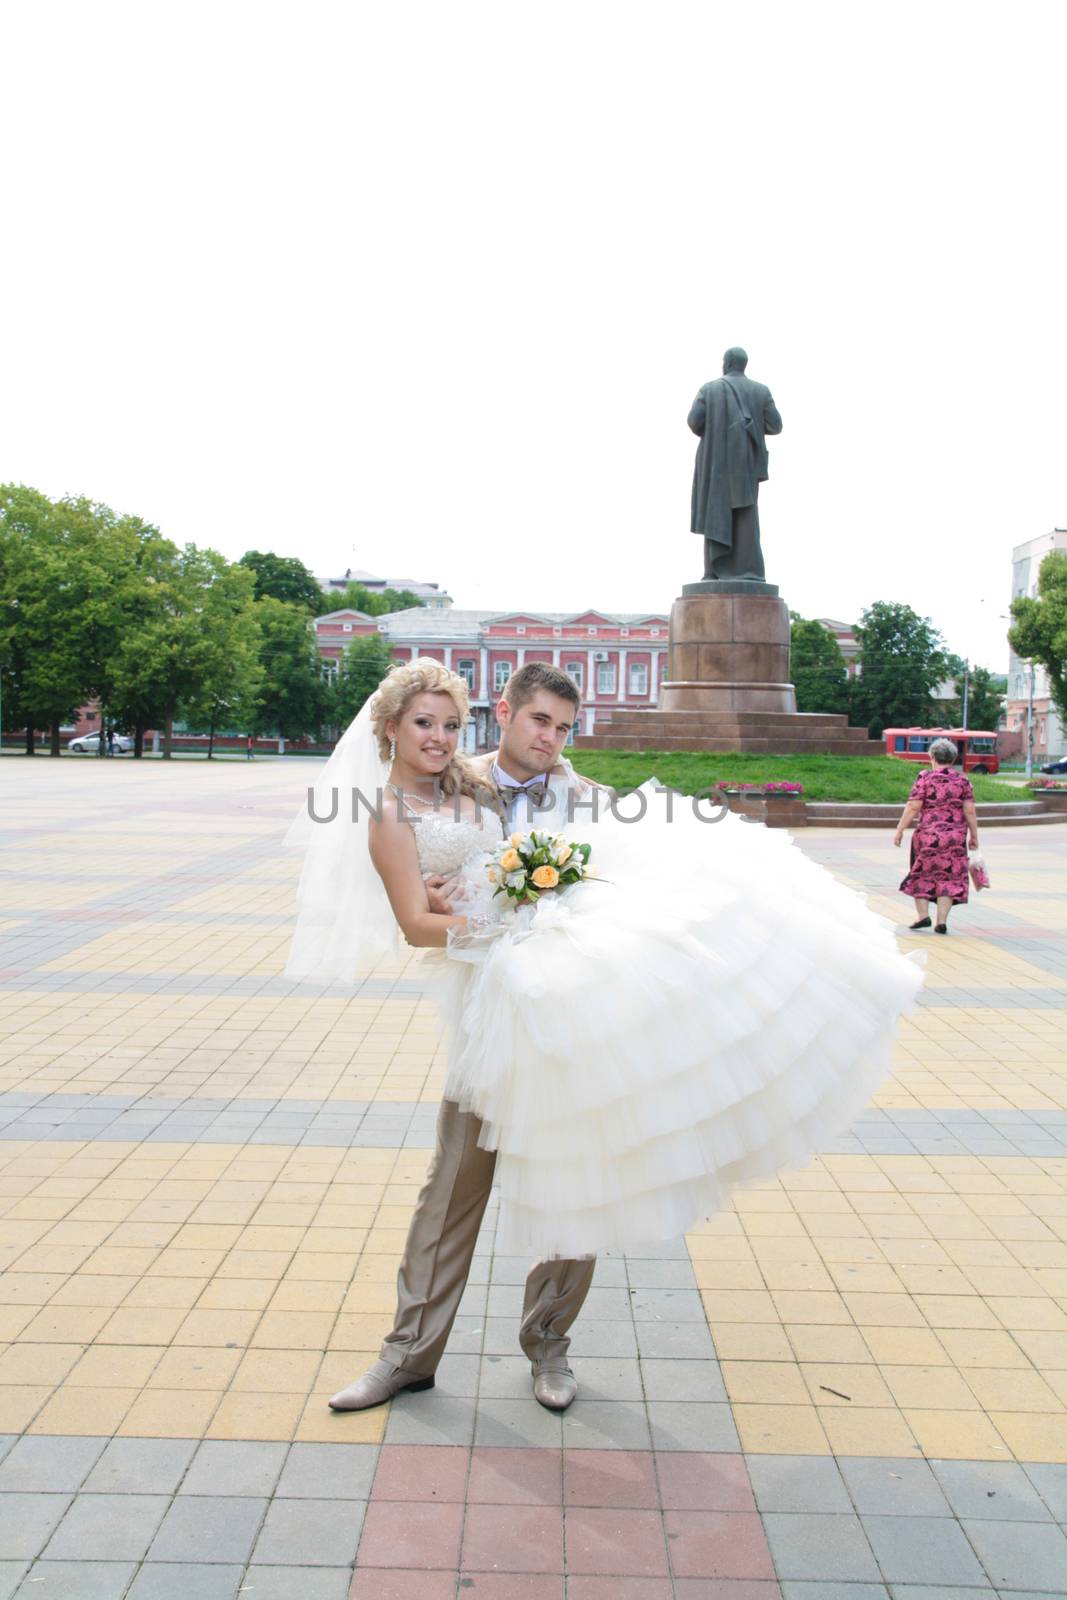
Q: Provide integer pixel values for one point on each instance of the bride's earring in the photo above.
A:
(392, 749)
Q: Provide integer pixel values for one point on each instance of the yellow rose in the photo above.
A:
(545, 878)
(563, 855)
(511, 861)
(516, 838)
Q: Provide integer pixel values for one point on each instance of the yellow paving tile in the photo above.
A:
(836, 1383)
(959, 1435)
(74, 1409)
(169, 1414)
(780, 1430)
(271, 1415)
(193, 1367)
(868, 1431)
(760, 1341)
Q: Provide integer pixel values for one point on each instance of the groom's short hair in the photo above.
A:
(524, 684)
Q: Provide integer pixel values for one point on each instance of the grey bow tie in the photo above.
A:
(537, 791)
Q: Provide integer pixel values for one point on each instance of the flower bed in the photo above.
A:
(739, 786)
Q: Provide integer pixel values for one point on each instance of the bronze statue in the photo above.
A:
(731, 415)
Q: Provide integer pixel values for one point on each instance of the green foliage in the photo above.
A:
(293, 698)
(358, 598)
(283, 578)
(861, 778)
(984, 699)
(1039, 632)
(902, 660)
(363, 666)
(817, 668)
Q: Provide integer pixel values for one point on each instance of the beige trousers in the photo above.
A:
(438, 1254)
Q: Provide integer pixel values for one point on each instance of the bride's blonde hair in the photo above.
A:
(395, 693)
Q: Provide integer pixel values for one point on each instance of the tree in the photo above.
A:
(902, 660)
(984, 698)
(359, 598)
(293, 699)
(363, 666)
(817, 668)
(283, 578)
(1039, 632)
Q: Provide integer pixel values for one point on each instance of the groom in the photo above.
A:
(536, 715)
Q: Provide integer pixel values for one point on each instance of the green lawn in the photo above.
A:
(865, 778)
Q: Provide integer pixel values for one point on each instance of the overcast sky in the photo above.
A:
(428, 289)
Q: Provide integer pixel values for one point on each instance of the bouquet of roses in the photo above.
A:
(527, 865)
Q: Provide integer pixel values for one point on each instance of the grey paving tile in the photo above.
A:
(682, 1380)
(27, 1522)
(328, 1472)
(667, 1305)
(311, 1533)
(296, 1583)
(216, 1528)
(234, 1467)
(937, 1591)
(141, 1466)
(167, 1580)
(1049, 1478)
(644, 1274)
(606, 1425)
(797, 1483)
(515, 1422)
(458, 1376)
(990, 1490)
(815, 1546)
(505, 1378)
(49, 1463)
(923, 1550)
(431, 1419)
(699, 1426)
(836, 1591)
(76, 1580)
(602, 1379)
(11, 1573)
(1032, 1554)
(688, 1340)
(893, 1486)
(107, 1527)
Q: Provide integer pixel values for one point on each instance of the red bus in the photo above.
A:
(977, 746)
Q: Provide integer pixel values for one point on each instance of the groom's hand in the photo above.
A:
(440, 894)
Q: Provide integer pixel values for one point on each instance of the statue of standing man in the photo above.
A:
(731, 415)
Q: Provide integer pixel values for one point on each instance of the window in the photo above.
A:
(918, 742)
(521, 628)
(655, 633)
(605, 677)
(501, 674)
(330, 669)
(556, 632)
(590, 630)
(573, 669)
(625, 632)
(465, 670)
(346, 627)
(638, 678)
(899, 742)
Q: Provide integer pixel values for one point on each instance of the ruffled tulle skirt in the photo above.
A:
(712, 1009)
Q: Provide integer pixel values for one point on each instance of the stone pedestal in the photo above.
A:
(729, 650)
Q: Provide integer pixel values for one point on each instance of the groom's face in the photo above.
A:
(532, 736)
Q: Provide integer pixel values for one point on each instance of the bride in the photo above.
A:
(708, 1008)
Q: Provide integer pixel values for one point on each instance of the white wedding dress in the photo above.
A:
(713, 1008)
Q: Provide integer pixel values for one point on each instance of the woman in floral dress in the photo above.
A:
(942, 801)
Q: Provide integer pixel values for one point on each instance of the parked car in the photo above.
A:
(1056, 768)
(88, 744)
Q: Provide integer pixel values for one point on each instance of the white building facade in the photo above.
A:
(1050, 740)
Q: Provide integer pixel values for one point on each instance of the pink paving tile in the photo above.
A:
(717, 1544)
(511, 1586)
(619, 1589)
(693, 1481)
(725, 1589)
(610, 1478)
(513, 1539)
(410, 1534)
(421, 1472)
(620, 1541)
(372, 1583)
(504, 1476)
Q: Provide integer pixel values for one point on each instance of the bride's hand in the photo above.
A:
(441, 894)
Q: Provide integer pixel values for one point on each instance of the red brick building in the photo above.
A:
(616, 660)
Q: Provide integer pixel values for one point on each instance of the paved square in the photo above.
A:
(851, 1384)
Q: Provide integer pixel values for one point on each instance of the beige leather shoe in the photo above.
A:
(554, 1387)
(377, 1385)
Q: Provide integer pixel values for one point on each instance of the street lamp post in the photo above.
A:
(1030, 727)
